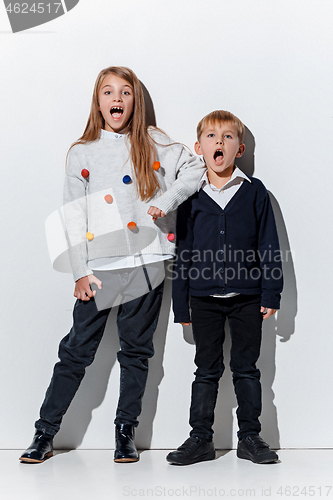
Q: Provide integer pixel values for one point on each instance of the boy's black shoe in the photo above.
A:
(125, 448)
(193, 450)
(40, 449)
(254, 448)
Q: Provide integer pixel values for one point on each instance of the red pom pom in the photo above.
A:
(85, 173)
(171, 237)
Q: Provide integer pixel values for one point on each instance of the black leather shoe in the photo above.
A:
(125, 448)
(194, 449)
(40, 449)
(254, 448)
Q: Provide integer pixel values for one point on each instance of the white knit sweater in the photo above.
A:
(86, 210)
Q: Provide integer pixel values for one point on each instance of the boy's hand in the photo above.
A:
(185, 324)
(82, 289)
(267, 312)
(155, 213)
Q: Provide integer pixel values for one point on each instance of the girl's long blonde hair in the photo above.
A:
(142, 145)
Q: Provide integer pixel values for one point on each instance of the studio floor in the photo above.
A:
(92, 474)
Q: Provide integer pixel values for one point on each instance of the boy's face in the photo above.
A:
(219, 145)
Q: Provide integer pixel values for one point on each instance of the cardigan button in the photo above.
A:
(221, 232)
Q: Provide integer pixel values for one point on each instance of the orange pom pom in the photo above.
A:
(131, 225)
(108, 198)
(156, 165)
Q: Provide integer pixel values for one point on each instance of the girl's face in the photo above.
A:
(116, 102)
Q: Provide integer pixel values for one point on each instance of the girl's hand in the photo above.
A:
(268, 312)
(155, 213)
(185, 324)
(82, 289)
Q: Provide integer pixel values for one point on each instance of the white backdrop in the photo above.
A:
(270, 63)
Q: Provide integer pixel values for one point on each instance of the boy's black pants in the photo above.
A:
(245, 321)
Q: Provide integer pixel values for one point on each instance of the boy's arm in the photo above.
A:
(180, 283)
(267, 312)
(270, 259)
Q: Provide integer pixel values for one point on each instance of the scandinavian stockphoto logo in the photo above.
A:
(25, 15)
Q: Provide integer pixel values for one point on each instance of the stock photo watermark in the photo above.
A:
(29, 14)
(229, 264)
(197, 491)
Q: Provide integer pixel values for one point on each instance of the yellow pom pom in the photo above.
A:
(89, 236)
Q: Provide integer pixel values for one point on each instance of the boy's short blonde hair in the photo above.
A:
(221, 116)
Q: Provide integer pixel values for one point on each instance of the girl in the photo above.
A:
(119, 173)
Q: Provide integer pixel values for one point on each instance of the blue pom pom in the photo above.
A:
(126, 179)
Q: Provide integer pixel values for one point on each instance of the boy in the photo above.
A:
(228, 266)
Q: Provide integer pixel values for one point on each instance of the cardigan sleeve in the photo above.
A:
(269, 256)
(180, 283)
(188, 171)
(75, 217)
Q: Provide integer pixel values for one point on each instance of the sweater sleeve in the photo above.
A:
(75, 217)
(189, 170)
(270, 256)
(180, 283)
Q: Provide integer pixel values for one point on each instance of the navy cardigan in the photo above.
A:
(231, 250)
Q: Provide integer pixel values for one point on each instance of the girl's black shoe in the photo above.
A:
(125, 448)
(40, 449)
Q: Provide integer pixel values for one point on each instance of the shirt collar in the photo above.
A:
(106, 134)
(236, 173)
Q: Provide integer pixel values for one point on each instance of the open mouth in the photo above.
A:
(218, 157)
(116, 112)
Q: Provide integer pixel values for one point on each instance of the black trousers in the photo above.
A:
(137, 320)
(245, 320)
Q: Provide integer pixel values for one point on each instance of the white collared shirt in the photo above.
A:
(107, 134)
(222, 196)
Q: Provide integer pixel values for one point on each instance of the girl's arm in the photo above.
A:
(186, 169)
(155, 213)
(82, 289)
(75, 216)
